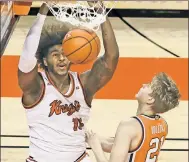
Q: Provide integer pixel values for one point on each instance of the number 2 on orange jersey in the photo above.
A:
(158, 143)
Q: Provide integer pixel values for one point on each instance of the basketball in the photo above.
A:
(81, 46)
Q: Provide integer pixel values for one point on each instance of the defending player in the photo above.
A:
(58, 101)
(141, 138)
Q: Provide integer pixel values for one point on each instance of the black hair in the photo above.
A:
(51, 35)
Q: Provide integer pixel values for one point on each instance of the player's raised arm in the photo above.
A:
(104, 67)
(28, 77)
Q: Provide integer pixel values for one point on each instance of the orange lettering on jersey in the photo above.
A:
(58, 109)
(55, 108)
(81, 125)
(77, 124)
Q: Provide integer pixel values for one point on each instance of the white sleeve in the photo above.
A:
(28, 60)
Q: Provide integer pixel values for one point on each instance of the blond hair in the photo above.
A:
(165, 92)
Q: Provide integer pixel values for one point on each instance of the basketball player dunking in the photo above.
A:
(140, 138)
(58, 101)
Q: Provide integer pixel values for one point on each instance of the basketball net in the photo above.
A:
(80, 14)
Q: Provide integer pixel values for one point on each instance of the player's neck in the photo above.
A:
(59, 81)
(145, 110)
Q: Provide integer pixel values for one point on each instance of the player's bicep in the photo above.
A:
(29, 82)
(121, 143)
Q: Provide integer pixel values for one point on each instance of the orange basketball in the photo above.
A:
(81, 46)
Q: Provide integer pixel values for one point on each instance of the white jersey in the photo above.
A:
(56, 122)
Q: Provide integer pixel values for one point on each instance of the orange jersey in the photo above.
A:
(155, 130)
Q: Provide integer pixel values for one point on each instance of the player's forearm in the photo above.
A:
(32, 40)
(99, 153)
(109, 40)
(107, 144)
(34, 34)
(28, 60)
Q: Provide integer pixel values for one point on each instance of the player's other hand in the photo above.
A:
(44, 9)
(92, 139)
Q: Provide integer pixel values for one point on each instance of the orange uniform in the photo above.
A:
(155, 129)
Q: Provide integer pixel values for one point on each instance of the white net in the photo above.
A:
(80, 14)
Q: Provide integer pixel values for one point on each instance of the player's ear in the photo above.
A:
(151, 100)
